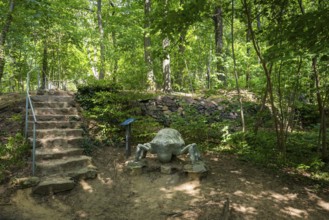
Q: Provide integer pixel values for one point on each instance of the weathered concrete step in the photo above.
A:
(64, 182)
(54, 104)
(58, 142)
(73, 117)
(52, 133)
(64, 165)
(55, 111)
(89, 172)
(51, 185)
(56, 153)
(51, 98)
(56, 124)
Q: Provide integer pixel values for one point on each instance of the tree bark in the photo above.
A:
(321, 107)
(101, 39)
(235, 72)
(218, 22)
(44, 65)
(248, 77)
(147, 46)
(3, 36)
(267, 71)
(209, 68)
(166, 67)
(181, 59)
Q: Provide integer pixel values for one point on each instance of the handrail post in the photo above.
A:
(33, 149)
(29, 103)
(26, 116)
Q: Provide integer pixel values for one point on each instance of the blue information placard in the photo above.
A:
(128, 121)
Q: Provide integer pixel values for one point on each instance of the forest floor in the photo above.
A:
(253, 192)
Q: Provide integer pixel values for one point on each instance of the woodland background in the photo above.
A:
(275, 49)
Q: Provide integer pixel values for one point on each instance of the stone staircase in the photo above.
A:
(60, 162)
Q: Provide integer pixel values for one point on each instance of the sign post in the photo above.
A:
(127, 123)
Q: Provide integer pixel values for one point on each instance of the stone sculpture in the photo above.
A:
(165, 144)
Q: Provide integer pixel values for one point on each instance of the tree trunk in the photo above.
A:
(181, 59)
(321, 107)
(101, 39)
(235, 73)
(267, 71)
(147, 46)
(3, 36)
(115, 67)
(166, 67)
(44, 65)
(248, 77)
(209, 68)
(218, 22)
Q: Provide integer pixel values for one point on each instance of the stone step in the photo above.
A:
(70, 118)
(89, 172)
(54, 104)
(56, 124)
(65, 181)
(51, 98)
(50, 185)
(58, 142)
(56, 153)
(52, 133)
(54, 111)
(63, 165)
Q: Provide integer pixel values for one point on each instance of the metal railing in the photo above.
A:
(29, 104)
(53, 84)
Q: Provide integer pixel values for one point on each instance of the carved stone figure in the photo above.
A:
(165, 144)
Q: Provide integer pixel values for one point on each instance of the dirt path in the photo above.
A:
(253, 194)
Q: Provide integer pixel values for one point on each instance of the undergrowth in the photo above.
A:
(12, 154)
(105, 108)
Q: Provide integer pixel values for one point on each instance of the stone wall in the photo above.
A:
(165, 105)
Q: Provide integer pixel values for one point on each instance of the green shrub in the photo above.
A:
(108, 108)
(12, 153)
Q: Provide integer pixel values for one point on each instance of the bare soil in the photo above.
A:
(253, 193)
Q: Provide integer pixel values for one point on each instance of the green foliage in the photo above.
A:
(193, 126)
(88, 145)
(307, 114)
(93, 85)
(12, 154)
(103, 104)
(260, 149)
(144, 129)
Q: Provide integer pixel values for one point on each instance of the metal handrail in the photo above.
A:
(29, 103)
(51, 84)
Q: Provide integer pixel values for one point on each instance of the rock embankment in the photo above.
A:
(165, 105)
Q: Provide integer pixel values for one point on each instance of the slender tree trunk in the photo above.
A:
(101, 40)
(248, 77)
(114, 39)
(181, 53)
(166, 67)
(267, 71)
(235, 72)
(181, 60)
(209, 68)
(218, 22)
(3, 36)
(115, 67)
(301, 6)
(259, 23)
(147, 46)
(44, 65)
(258, 120)
(321, 107)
